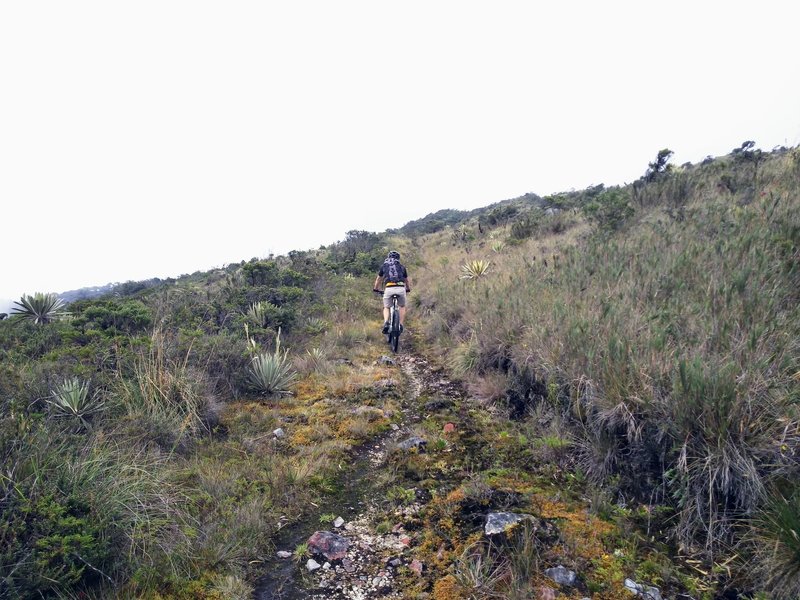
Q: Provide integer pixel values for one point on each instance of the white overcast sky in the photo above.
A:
(154, 138)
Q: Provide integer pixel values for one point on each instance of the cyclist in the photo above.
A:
(395, 278)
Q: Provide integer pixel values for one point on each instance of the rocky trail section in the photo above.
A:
(353, 558)
(436, 498)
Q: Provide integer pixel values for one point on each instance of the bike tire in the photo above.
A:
(394, 332)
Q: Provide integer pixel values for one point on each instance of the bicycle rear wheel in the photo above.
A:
(394, 332)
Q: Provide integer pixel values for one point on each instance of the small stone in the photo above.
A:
(647, 592)
(312, 565)
(376, 582)
(395, 562)
(412, 442)
(561, 575)
(279, 433)
(284, 554)
(326, 566)
(338, 522)
(405, 540)
(397, 528)
(348, 565)
(385, 360)
(449, 428)
(417, 566)
(395, 427)
(499, 522)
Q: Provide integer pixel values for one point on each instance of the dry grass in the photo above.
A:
(671, 346)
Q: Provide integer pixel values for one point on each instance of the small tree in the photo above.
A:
(660, 165)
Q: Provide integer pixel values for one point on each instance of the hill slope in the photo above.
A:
(618, 364)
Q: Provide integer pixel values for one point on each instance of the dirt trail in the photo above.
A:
(375, 561)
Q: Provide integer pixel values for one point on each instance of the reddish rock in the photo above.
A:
(545, 593)
(330, 545)
(449, 428)
(405, 540)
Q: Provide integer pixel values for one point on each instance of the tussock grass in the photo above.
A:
(165, 395)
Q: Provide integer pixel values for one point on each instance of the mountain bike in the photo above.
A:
(393, 337)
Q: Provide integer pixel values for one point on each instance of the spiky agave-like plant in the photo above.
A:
(71, 399)
(271, 373)
(475, 269)
(259, 312)
(39, 308)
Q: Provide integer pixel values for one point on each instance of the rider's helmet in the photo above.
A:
(393, 254)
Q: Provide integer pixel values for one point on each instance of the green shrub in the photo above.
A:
(610, 210)
(77, 512)
(112, 316)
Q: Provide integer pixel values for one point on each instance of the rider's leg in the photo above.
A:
(385, 316)
(402, 314)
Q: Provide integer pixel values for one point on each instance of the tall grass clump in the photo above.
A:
(776, 537)
(165, 395)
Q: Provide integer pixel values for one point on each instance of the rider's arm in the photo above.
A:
(376, 285)
(407, 282)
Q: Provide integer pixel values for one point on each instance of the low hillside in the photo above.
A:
(596, 395)
(653, 330)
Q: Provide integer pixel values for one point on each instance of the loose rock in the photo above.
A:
(412, 442)
(500, 522)
(329, 545)
(312, 565)
(647, 592)
(279, 433)
(338, 522)
(545, 593)
(561, 575)
(284, 554)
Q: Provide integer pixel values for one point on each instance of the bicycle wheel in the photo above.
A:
(394, 332)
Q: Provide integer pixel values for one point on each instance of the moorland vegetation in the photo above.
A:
(632, 365)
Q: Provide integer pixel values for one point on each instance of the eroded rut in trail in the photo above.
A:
(374, 561)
